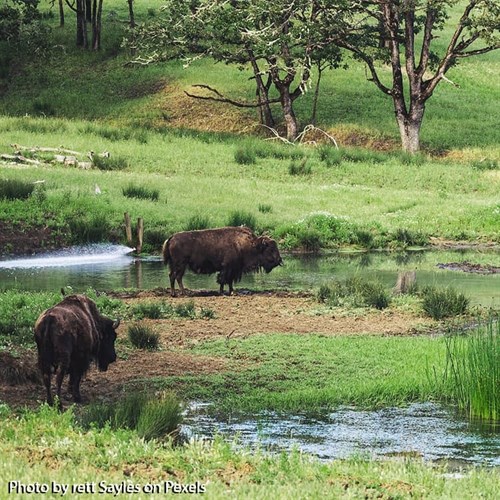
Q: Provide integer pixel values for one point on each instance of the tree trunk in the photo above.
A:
(288, 113)
(316, 95)
(131, 14)
(409, 127)
(88, 11)
(266, 115)
(61, 14)
(81, 25)
(96, 24)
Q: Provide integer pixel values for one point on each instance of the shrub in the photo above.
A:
(197, 222)
(143, 337)
(356, 292)
(245, 155)
(299, 168)
(133, 191)
(442, 303)
(242, 218)
(12, 189)
(152, 310)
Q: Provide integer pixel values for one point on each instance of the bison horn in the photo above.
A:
(116, 324)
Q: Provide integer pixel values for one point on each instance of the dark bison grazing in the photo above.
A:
(230, 251)
(69, 336)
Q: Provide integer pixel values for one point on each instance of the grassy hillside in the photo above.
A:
(205, 161)
(71, 83)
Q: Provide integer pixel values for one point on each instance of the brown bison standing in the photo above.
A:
(69, 336)
(230, 251)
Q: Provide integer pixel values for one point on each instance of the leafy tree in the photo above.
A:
(278, 40)
(401, 33)
(21, 32)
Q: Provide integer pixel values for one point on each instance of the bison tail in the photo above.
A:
(165, 252)
(44, 344)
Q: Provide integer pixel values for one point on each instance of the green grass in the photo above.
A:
(378, 201)
(307, 373)
(45, 446)
(473, 370)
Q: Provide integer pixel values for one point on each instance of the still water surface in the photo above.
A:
(424, 430)
(106, 267)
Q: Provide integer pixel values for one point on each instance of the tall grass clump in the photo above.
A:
(317, 230)
(197, 222)
(242, 218)
(245, 155)
(150, 415)
(473, 368)
(91, 229)
(299, 167)
(439, 303)
(485, 164)
(331, 156)
(143, 337)
(141, 192)
(160, 417)
(110, 162)
(354, 292)
(152, 310)
(13, 189)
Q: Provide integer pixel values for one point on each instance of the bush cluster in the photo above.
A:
(355, 292)
(439, 303)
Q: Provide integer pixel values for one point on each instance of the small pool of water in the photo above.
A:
(105, 267)
(424, 430)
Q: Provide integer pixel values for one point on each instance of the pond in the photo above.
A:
(424, 430)
(108, 267)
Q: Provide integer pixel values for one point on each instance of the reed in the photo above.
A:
(473, 369)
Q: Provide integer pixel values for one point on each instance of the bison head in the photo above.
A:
(107, 353)
(268, 254)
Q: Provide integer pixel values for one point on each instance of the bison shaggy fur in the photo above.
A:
(230, 251)
(69, 336)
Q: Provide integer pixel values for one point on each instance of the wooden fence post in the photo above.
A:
(128, 229)
(140, 234)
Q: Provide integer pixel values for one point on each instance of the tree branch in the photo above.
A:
(222, 98)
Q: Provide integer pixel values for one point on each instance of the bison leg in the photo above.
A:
(59, 381)
(74, 384)
(46, 380)
(176, 274)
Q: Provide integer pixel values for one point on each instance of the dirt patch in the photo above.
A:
(19, 240)
(236, 317)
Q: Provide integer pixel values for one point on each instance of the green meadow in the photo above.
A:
(185, 164)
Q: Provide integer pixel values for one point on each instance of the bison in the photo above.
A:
(230, 251)
(69, 336)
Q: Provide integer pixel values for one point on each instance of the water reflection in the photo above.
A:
(425, 430)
